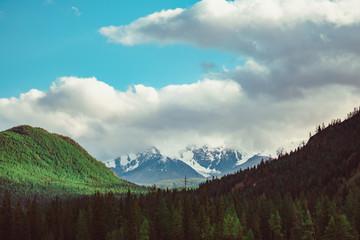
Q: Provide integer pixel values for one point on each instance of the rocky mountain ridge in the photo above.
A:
(151, 165)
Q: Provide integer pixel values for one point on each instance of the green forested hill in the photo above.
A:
(33, 160)
(312, 193)
(324, 165)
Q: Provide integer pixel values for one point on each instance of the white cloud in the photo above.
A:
(298, 54)
(289, 44)
(302, 61)
(76, 11)
(245, 25)
(108, 122)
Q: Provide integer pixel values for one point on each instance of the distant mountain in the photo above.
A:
(34, 161)
(217, 161)
(151, 166)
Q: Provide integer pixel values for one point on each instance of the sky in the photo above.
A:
(122, 76)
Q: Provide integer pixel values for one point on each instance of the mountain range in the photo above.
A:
(193, 162)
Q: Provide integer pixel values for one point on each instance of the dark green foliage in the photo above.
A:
(174, 215)
(82, 232)
(34, 161)
(34, 223)
(320, 166)
(177, 226)
(6, 225)
(250, 235)
(163, 222)
(313, 193)
(275, 226)
(340, 229)
(98, 227)
(19, 222)
(144, 233)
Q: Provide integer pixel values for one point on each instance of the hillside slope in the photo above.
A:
(312, 193)
(33, 160)
(330, 158)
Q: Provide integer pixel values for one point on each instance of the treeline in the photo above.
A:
(320, 167)
(172, 215)
(312, 193)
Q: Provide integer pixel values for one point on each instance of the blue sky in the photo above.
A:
(44, 40)
(122, 76)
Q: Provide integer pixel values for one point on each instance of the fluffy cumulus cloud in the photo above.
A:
(256, 27)
(292, 45)
(109, 122)
(302, 61)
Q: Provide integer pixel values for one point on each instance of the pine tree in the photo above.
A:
(19, 224)
(237, 231)
(219, 227)
(321, 216)
(98, 228)
(297, 232)
(110, 211)
(287, 213)
(352, 208)
(331, 230)
(82, 232)
(34, 223)
(250, 235)
(232, 226)
(131, 227)
(144, 232)
(205, 228)
(345, 231)
(191, 231)
(68, 220)
(163, 221)
(177, 226)
(308, 228)
(243, 223)
(7, 217)
(264, 209)
(51, 220)
(275, 226)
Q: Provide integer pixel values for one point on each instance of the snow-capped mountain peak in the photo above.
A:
(190, 162)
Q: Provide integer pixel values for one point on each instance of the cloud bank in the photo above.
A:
(109, 122)
(288, 45)
(302, 61)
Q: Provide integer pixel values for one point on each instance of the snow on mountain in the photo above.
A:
(193, 161)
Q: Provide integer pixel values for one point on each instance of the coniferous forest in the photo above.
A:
(312, 192)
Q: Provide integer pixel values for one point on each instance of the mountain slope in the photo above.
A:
(151, 166)
(217, 161)
(33, 160)
(329, 159)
